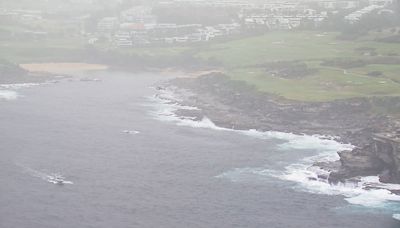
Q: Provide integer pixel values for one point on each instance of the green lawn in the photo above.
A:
(328, 84)
(274, 47)
(241, 57)
(39, 51)
(287, 46)
(156, 52)
(389, 71)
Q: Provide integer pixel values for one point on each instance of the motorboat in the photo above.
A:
(57, 179)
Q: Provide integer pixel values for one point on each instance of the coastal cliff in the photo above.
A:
(380, 157)
(387, 148)
(234, 104)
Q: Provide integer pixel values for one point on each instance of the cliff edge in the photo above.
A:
(234, 104)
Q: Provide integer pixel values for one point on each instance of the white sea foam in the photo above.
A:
(18, 85)
(373, 198)
(167, 103)
(367, 192)
(360, 193)
(396, 216)
(8, 95)
(7, 91)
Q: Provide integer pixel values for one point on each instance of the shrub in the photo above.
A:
(375, 73)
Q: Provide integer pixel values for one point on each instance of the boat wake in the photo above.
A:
(130, 132)
(54, 178)
(367, 191)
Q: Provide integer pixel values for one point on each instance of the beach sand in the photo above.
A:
(61, 68)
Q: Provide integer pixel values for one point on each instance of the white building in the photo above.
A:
(380, 2)
(108, 24)
(357, 15)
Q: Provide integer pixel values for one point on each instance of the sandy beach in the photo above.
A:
(58, 68)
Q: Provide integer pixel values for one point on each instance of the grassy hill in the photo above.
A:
(333, 68)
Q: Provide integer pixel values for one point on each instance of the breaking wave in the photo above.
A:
(169, 101)
(367, 192)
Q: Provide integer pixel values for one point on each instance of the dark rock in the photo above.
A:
(361, 161)
(338, 176)
(237, 105)
(328, 166)
(385, 176)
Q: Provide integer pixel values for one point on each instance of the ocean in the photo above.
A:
(127, 161)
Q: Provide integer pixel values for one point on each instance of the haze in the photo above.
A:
(199, 113)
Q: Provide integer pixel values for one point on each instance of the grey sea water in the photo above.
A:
(129, 169)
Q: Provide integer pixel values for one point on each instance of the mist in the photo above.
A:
(200, 113)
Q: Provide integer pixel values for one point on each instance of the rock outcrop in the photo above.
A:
(387, 149)
(234, 104)
(381, 156)
(11, 73)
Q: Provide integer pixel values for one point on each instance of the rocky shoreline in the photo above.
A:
(236, 105)
(14, 74)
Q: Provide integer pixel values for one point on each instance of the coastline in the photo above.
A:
(43, 72)
(69, 68)
(28, 75)
(183, 105)
(235, 105)
(238, 106)
(62, 67)
(231, 108)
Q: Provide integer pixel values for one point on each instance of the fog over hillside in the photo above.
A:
(200, 113)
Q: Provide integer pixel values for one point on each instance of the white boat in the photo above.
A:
(57, 179)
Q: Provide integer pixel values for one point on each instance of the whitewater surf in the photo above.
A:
(368, 192)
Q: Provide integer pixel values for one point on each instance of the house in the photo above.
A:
(229, 29)
(138, 14)
(196, 37)
(327, 4)
(123, 39)
(182, 39)
(132, 26)
(357, 15)
(380, 2)
(108, 24)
